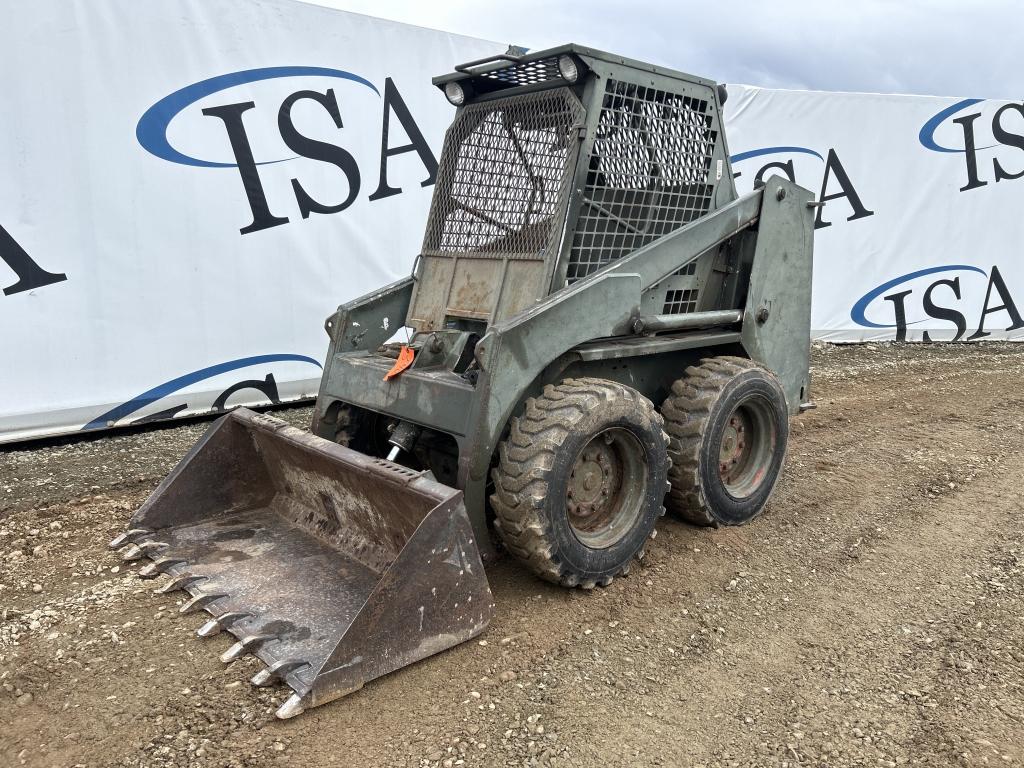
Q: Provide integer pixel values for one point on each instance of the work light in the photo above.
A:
(567, 69)
(453, 91)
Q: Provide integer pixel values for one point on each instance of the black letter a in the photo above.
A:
(418, 144)
(30, 275)
(835, 168)
(997, 282)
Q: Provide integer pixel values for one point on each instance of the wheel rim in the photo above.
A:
(606, 488)
(747, 447)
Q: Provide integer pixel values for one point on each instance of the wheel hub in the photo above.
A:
(735, 449)
(747, 448)
(605, 487)
(593, 480)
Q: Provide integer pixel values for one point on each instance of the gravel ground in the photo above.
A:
(874, 616)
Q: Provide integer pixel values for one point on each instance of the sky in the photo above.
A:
(969, 48)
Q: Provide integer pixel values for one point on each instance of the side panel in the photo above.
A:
(370, 320)
(777, 316)
(433, 280)
(360, 325)
(514, 352)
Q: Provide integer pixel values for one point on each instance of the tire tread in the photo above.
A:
(523, 474)
(687, 412)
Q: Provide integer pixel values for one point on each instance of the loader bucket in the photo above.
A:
(332, 567)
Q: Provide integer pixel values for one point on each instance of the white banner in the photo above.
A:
(191, 187)
(921, 233)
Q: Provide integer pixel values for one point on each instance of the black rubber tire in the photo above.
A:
(534, 468)
(696, 414)
(341, 429)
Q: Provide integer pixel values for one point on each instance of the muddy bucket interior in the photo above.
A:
(330, 566)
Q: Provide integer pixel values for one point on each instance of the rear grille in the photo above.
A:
(505, 175)
(648, 173)
(679, 302)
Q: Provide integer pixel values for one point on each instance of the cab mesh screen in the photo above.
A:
(648, 173)
(505, 174)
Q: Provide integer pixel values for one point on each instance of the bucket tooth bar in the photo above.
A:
(184, 578)
(331, 567)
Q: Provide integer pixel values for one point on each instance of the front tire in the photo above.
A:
(729, 425)
(580, 481)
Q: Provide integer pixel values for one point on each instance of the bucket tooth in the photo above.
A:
(276, 672)
(199, 602)
(132, 553)
(129, 537)
(220, 623)
(180, 582)
(295, 705)
(157, 567)
(141, 549)
(245, 645)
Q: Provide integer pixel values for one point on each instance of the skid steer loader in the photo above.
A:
(599, 329)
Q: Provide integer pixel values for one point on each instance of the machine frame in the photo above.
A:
(749, 258)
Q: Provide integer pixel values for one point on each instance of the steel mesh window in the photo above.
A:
(648, 173)
(525, 73)
(505, 175)
(678, 302)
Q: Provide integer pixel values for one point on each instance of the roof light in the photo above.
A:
(567, 68)
(454, 93)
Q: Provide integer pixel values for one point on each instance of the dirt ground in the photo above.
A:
(873, 616)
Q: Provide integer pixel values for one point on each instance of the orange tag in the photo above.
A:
(405, 357)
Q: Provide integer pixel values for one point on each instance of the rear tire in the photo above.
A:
(580, 481)
(728, 423)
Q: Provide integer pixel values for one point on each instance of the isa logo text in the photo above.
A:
(963, 295)
(275, 115)
(812, 169)
(990, 140)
